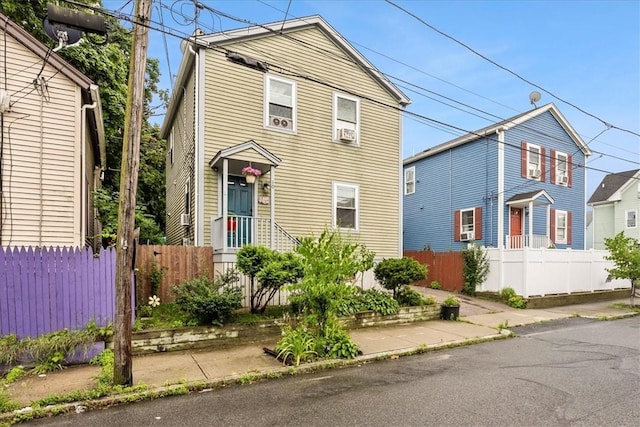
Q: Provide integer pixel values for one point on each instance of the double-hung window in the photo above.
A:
(345, 206)
(561, 227)
(534, 162)
(631, 218)
(410, 180)
(280, 104)
(466, 221)
(346, 113)
(562, 169)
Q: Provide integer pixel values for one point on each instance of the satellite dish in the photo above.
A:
(55, 30)
(534, 97)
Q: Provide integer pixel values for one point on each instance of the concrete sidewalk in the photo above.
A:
(480, 321)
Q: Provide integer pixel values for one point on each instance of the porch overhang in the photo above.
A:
(531, 198)
(240, 155)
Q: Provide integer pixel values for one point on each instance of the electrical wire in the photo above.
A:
(422, 21)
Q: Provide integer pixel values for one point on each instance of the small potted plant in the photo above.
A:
(250, 173)
(450, 308)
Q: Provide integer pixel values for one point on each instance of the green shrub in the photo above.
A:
(476, 268)
(206, 301)
(435, 285)
(517, 301)
(451, 301)
(337, 343)
(14, 374)
(408, 297)
(394, 273)
(507, 293)
(297, 345)
(380, 302)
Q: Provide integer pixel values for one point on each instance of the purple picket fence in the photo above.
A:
(48, 289)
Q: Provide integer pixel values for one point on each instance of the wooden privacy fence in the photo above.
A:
(48, 289)
(445, 267)
(176, 264)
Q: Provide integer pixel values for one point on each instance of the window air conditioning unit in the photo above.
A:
(281, 122)
(186, 241)
(347, 135)
(466, 236)
(564, 180)
(534, 173)
(184, 219)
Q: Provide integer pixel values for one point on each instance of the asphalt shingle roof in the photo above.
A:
(610, 184)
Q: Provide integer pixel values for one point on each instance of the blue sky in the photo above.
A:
(585, 52)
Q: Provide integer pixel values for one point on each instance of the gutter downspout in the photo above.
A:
(83, 166)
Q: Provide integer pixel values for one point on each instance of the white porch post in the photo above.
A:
(549, 242)
(272, 207)
(530, 209)
(225, 202)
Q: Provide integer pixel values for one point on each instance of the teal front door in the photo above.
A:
(240, 205)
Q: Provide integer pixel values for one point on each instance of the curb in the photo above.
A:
(28, 413)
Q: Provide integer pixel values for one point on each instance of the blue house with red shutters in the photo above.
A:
(515, 184)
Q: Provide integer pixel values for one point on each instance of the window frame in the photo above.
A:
(529, 163)
(334, 206)
(187, 196)
(337, 122)
(558, 214)
(171, 146)
(412, 181)
(557, 168)
(268, 78)
(473, 221)
(635, 218)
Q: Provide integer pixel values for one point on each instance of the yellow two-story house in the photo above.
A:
(278, 131)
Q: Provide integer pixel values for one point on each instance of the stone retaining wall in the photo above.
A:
(158, 340)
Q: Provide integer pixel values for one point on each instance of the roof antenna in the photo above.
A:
(534, 97)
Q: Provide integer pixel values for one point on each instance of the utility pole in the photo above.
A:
(122, 370)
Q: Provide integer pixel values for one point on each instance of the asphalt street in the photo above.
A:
(568, 372)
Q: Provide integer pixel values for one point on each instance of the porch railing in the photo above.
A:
(536, 241)
(238, 231)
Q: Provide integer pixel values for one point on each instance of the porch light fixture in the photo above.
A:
(266, 187)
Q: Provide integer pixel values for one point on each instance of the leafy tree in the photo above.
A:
(250, 260)
(394, 273)
(106, 62)
(282, 269)
(625, 253)
(476, 268)
(329, 263)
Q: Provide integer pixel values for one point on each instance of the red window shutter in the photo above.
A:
(552, 225)
(553, 167)
(569, 170)
(477, 223)
(456, 226)
(568, 228)
(543, 165)
(523, 158)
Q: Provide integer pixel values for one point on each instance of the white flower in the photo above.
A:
(154, 301)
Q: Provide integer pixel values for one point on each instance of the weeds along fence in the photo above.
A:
(445, 267)
(167, 266)
(48, 289)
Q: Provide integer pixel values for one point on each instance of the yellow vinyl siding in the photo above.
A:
(182, 168)
(311, 161)
(42, 154)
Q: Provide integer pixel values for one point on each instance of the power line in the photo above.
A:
(422, 21)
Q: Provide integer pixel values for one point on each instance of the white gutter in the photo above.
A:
(198, 169)
(83, 154)
(500, 203)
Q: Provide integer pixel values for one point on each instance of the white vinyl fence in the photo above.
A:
(539, 272)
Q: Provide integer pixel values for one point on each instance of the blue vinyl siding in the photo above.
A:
(456, 179)
(545, 131)
(466, 176)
